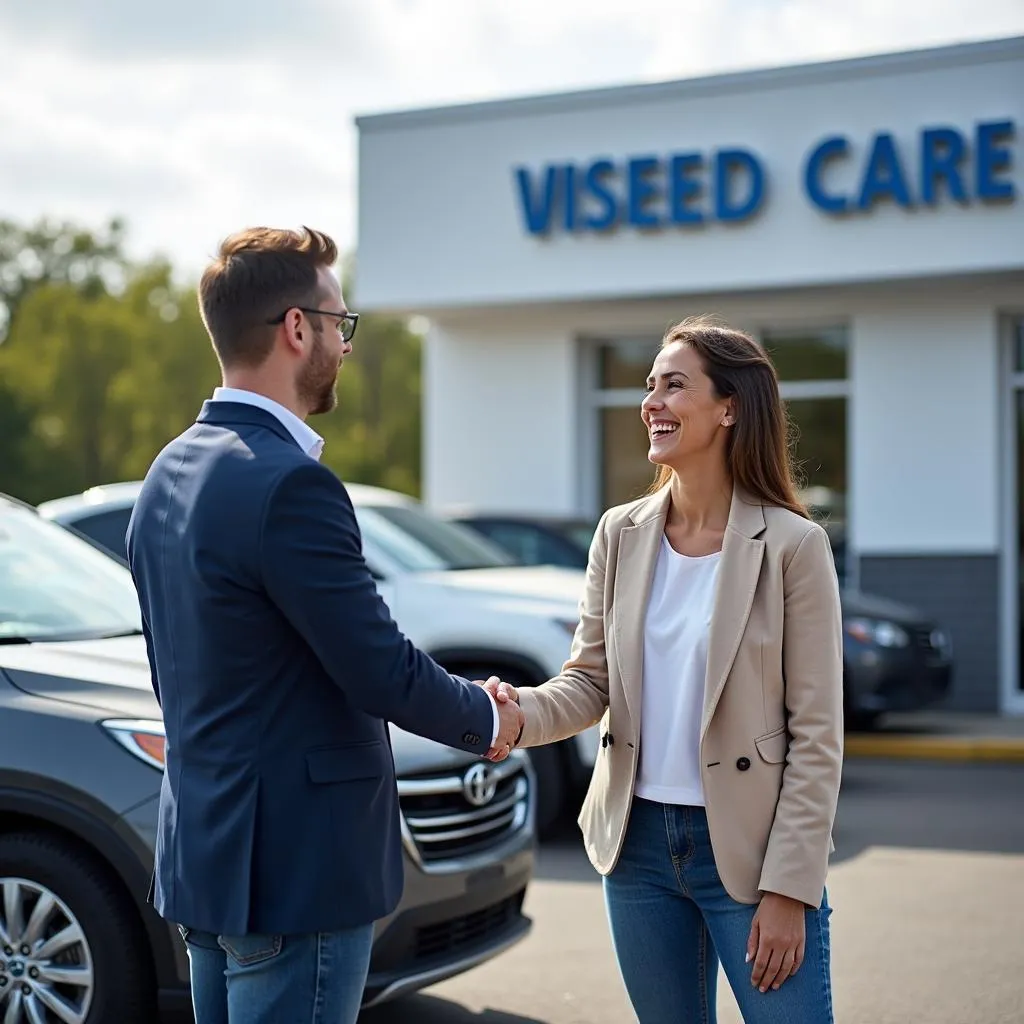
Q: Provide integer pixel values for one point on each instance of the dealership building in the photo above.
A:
(863, 218)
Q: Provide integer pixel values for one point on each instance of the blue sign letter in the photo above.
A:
(596, 188)
(884, 176)
(642, 191)
(831, 148)
(739, 159)
(537, 209)
(942, 150)
(682, 188)
(992, 158)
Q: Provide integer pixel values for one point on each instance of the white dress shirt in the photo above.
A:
(676, 629)
(305, 436)
(312, 444)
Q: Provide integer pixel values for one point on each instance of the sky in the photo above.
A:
(193, 119)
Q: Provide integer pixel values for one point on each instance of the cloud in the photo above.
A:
(196, 119)
(205, 29)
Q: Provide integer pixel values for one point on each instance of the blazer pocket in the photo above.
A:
(773, 746)
(346, 764)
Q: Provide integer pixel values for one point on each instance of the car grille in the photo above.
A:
(450, 816)
(923, 638)
(468, 932)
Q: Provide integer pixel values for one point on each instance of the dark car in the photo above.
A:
(81, 760)
(894, 657)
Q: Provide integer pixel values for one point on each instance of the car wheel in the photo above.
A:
(70, 949)
(862, 721)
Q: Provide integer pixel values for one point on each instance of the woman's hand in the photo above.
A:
(502, 692)
(504, 695)
(776, 943)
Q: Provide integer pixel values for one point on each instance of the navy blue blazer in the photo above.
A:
(277, 667)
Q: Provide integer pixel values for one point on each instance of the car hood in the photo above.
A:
(112, 676)
(872, 606)
(540, 583)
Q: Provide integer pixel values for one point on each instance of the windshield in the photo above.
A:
(54, 586)
(420, 542)
(581, 534)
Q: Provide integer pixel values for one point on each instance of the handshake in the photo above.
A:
(510, 717)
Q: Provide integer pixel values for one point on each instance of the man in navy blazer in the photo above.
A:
(276, 664)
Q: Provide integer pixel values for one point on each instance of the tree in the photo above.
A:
(107, 380)
(171, 369)
(49, 252)
(373, 437)
(106, 360)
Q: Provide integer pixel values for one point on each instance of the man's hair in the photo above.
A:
(258, 274)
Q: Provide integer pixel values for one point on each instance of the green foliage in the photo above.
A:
(106, 360)
(48, 252)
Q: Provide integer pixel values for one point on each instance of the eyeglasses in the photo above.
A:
(346, 321)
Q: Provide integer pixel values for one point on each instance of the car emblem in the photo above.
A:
(479, 785)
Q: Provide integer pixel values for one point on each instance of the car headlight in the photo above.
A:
(942, 642)
(144, 738)
(877, 631)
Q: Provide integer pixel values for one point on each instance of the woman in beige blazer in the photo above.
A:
(709, 649)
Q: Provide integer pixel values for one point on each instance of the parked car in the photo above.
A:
(454, 594)
(81, 757)
(895, 658)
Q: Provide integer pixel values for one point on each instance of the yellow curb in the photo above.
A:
(938, 748)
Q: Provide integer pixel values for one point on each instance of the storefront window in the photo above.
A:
(819, 456)
(812, 367)
(626, 364)
(808, 355)
(624, 444)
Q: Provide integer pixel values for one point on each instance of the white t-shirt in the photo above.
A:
(675, 663)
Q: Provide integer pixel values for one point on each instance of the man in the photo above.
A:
(276, 664)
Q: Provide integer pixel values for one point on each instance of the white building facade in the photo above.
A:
(863, 218)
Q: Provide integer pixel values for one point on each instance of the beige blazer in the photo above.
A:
(771, 738)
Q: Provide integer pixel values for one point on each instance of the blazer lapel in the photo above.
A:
(740, 567)
(634, 571)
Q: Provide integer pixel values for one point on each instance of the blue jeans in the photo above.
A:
(672, 920)
(278, 979)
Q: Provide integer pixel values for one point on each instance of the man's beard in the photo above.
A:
(318, 379)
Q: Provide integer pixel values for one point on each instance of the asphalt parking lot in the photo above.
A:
(927, 886)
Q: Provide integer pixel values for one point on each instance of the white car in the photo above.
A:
(451, 592)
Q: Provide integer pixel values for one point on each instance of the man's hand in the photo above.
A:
(510, 717)
(510, 726)
(776, 942)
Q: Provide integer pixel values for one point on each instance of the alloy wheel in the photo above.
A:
(46, 967)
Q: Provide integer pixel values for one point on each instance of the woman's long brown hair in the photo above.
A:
(758, 445)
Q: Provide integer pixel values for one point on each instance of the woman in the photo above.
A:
(709, 648)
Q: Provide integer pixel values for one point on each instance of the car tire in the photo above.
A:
(86, 894)
(862, 721)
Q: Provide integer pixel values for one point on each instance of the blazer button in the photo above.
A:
(743, 763)
(611, 740)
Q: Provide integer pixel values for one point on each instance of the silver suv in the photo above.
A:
(81, 751)
(451, 591)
